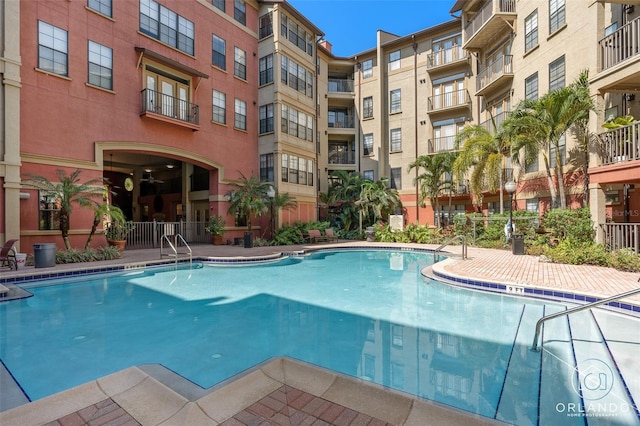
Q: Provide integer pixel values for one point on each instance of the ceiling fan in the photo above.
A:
(151, 179)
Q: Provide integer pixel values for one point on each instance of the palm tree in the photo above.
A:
(539, 125)
(433, 180)
(65, 193)
(485, 151)
(343, 193)
(249, 198)
(100, 211)
(377, 200)
(284, 201)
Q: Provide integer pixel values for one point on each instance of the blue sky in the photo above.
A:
(351, 25)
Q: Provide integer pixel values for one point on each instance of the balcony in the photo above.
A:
(620, 145)
(448, 58)
(340, 85)
(445, 143)
(497, 74)
(494, 18)
(458, 99)
(341, 121)
(159, 105)
(341, 154)
(494, 125)
(620, 46)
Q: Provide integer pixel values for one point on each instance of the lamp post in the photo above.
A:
(510, 187)
(271, 193)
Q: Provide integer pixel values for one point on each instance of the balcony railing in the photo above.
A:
(496, 69)
(446, 56)
(340, 85)
(445, 143)
(340, 155)
(488, 10)
(622, 235)
(454, 99)
(621, 144)
(342, 122)
(621, 45)
(170, 106)
(494, 125)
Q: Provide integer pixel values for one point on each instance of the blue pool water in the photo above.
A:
(368, 314)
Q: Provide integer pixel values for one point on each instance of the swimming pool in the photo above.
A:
(368, 314)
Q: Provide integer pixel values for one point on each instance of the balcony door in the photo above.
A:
(167, 96)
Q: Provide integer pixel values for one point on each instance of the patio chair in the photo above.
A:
(8, 254)
(315, 236)
(330, 236)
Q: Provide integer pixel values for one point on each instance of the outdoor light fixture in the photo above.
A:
(510, 187)
(271, 193)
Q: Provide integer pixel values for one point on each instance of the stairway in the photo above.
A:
(587, 373)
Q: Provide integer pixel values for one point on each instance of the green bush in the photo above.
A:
(570, 224)
(89, 255)
(579, 253)
(625, 259)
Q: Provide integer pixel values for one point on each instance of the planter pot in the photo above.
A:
(119, 244)
(217, 240)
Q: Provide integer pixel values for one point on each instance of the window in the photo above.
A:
(397, 336)
(266, 69)
(284, 172)
(100, 66)
(611, 29)
(394, 60)
(240, 11)
(293, 169)
(395, 101)
(556, 74)
(532, 166)
(396, 178)
(296, 35)
(368, 175)
(240, 117)
(219, 107)
(447, 49)
(101, 6)
(219, 4)
(168, 95)
(562, 145)
(266, 118)
(52, 49)
(367, 68)
(531, 87)
(296, 123)
(367, 144)
(302, 171)
(240, 63)
(449, 92)
(265, 25)
(531, 31)
(266, 168)
(167, 26)
(297, 170)
(296, 76)
(556, 15)
(219, 52)
(367, 107)
(396, 140)
(533, 205)
(49, 212)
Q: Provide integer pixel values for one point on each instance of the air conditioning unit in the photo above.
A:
(630, 97)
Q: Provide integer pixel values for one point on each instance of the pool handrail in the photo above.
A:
(536, 348)
(462, 238)
(174, 245)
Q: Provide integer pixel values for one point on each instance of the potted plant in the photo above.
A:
(117, 231)
(216, 229)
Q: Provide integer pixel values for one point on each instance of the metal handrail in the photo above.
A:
(452, 239)
(174, 246)
(535, 347)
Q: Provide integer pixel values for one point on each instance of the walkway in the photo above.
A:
(286, 392)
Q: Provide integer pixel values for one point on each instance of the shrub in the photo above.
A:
(625, 259)
(571, 224)
(579, 253)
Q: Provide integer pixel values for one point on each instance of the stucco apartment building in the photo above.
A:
(174, 100)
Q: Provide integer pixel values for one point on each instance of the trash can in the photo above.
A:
(21, 259)
(248, 240)
(517, 244)
(44, 255)
(371, 235)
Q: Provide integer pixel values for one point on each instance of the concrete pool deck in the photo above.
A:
(284, 391)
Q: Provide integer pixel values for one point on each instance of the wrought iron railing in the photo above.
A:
(340, 156)
(621, 144)
(149, 234)
(447, 100)
(341, 121)
(445, 143)
(498, 119)
(620, 45)
(622, 235)
(446, 56)
(488, 10)
(495, 70)
(340, 85)
(170, 106)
